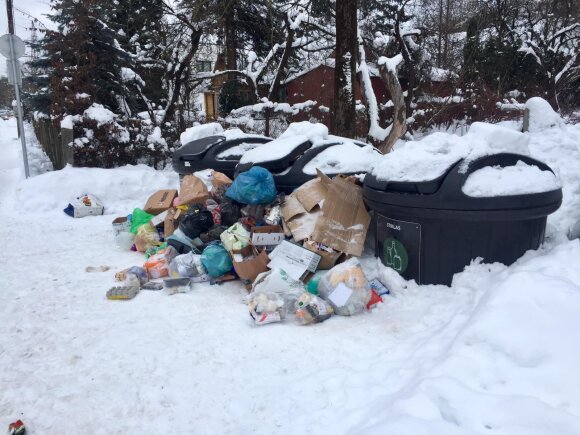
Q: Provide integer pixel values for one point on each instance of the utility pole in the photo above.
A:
(13, 48)
(10, 15)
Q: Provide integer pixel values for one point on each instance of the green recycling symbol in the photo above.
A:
(395, 255)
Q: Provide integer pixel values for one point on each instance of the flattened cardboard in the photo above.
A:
(328, 259)
(160, 201)
(293, 259)
(193, 191)
(291, 208)
(267, 236)
(302, 226)
(311, 193)
(345, 221)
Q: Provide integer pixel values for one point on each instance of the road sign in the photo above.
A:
(17, 45)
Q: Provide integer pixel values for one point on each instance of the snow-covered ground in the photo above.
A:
(498, 352)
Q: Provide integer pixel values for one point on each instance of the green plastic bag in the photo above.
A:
(139, 217)
(216, 260)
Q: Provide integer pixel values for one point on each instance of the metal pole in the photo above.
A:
(19, 109)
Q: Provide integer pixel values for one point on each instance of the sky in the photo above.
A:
(35, 8)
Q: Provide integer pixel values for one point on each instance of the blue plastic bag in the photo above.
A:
(255, 186)
(216, 260)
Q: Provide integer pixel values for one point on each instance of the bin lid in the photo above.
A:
(195, 150)
(447, 192)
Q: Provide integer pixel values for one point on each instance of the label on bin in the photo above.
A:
(399, 246)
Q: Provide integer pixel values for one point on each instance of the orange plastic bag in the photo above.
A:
(157, 265)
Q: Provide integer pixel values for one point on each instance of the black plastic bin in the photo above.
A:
(428, 231)
(289, 173)
(204, 153)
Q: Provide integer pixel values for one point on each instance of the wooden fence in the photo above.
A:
(55, 142)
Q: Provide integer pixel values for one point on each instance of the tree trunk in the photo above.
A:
(399, 126)
(344, 114)
(230, 34)
(275, 88)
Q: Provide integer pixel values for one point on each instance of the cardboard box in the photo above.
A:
(267, 237)
(293, 259)
(331, 212)
(159, 219)
(171, 221)
(249, 263)
(120, 225)
(192, 191)
(328, 259)
(160, 201)
(219, 179)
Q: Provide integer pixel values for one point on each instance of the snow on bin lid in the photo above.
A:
(430, 157)
(200, 131)
(315, 132)
(520, 179)
(343, 158)
(239, 150)
(277, 149)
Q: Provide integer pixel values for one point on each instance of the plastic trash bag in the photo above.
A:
(186, 266)
(230, 213)
(216, 260)
(255, 186)
(266, 308)
(197, 220)
(157, 265)
(312, 309)
(346, 288)
(235, 238)
(139, 217)
(147, 237)
(278, 282)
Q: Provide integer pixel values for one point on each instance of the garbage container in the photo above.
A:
(430, 230)
(290, 172)
(214, 152)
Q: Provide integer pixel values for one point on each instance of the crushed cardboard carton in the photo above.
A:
(171, 221)
(331, 212)
(249, 263)
(329, 258)
(267, 237)
(160, 201)
(296, 261)
(193, 191)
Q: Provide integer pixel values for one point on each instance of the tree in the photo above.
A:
(344, 113)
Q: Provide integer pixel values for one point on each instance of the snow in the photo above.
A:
(497, 352)
(511, 180)
(99, 113)
(313, 131)
(431, 156)
(67, 122)
(238, 150)
(342, 159)
(274, 150)
(200, 131)
(542, 115)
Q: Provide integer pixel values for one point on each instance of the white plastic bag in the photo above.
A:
(235, 238)
(278, 282)
(346, 288)
(186, 266)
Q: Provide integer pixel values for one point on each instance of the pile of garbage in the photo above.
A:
(295, 254)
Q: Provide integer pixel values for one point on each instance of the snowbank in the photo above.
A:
(511, 180)
(274, 150)
(120, 190)
(200, 131)
(542, 116)
(431, 156)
